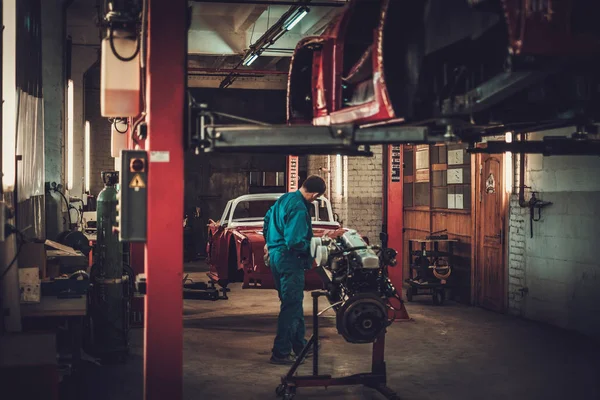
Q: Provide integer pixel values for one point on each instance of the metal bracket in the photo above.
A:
(549, 146)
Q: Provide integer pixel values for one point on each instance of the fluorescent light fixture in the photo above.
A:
(9, 94)
(338, 175)
(87, 156)
(345, 159)
(295, 18)
(70, 136)
(250, 59)
(508, 165)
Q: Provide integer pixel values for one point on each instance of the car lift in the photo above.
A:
(204, 135)
(376, 379)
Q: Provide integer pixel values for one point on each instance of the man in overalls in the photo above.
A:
(288, 230)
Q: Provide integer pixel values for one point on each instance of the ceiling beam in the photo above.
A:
(246, 16)
(330, 3)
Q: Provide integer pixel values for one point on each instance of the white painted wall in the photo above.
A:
(53, 88)
(559, 266)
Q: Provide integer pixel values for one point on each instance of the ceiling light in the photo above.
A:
(70, 136)
(250, 59)
(87, 155)
(295, 18)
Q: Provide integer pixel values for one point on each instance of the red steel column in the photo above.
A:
(395, 217)
(166, 73)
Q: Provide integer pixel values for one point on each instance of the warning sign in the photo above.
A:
(137, 182)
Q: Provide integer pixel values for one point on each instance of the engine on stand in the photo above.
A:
(358, 286)
(111, 289)
(359, 290)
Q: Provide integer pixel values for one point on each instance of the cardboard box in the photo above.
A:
(33, 255)
(29, 284)
(29, 276)
(30, 293)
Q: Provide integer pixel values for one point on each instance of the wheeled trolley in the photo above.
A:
(430, 267)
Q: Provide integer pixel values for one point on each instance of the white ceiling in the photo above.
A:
(219, 35)
(228, 29)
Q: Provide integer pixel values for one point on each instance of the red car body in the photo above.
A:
(236, 244)
(414, 62)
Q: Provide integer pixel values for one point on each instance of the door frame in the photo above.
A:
(476, 171)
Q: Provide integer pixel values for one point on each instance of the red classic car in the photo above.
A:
(236, 244)
(465, 64)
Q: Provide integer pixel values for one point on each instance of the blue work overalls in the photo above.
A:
(288, 231)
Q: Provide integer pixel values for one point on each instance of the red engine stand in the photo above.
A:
(376, 379)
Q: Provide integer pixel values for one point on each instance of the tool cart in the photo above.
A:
(430, 267)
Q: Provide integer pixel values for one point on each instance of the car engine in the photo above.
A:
(357, 283)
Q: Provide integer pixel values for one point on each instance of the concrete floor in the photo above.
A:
(448, 352)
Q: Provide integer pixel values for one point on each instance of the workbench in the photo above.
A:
(52, 313)
(51, 306)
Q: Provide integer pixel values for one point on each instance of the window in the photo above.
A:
(267, 178)
(252, 210)
(437, 176)
(320, 207)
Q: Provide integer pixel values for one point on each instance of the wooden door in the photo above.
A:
(490, 269)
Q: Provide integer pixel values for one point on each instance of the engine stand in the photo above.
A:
(376, 379)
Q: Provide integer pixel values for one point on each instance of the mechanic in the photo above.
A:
(288, 230)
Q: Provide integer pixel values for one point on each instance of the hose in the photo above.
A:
(442, 276)
(114, 50)
(68, 206)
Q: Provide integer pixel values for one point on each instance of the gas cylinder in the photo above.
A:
(107, 300)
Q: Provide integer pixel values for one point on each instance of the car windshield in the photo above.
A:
(252, 210)
(319, 210)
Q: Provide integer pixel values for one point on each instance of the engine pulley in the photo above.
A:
(362, 318)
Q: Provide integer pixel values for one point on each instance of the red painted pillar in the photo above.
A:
(395, 216)
(166, 73)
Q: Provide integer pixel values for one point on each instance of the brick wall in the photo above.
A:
(558, 266)
(359, 203)
(516, 256)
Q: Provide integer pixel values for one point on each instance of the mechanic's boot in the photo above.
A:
(287, 360)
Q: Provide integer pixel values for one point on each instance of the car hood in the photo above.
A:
(255, 234)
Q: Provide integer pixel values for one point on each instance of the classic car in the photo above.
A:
(483, 65)
(235, 245)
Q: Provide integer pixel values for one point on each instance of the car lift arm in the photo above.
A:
(204, 135)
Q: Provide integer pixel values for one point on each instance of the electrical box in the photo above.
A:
(133, 196)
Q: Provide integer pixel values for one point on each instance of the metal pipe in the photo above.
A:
(522, 201)
(237, 71)
(278, 2)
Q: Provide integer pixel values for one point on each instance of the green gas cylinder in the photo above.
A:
(108, 305)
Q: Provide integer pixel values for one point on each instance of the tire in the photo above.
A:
(409, 294)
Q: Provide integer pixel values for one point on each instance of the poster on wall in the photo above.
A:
(395, 159)
(292, 173)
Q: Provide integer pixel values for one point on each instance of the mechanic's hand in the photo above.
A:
(266, 256)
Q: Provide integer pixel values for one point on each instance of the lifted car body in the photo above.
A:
(483, 66)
